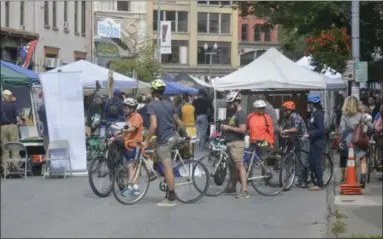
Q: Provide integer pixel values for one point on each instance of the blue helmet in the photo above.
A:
(314, 99)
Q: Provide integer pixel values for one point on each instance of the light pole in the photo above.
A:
(158, 31)
(211, 54)
(355, 40)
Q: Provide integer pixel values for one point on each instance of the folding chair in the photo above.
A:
(18, 160)
(58, 145)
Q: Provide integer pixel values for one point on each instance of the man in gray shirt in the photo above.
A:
(163, 120)
(269, 110)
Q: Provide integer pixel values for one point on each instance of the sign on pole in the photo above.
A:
(348, 74)
(361, 71)
(166, 37)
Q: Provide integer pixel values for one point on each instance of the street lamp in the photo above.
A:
(211, 54)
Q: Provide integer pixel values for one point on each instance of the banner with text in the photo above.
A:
(63, 98)
(166, 37)
(108, 30)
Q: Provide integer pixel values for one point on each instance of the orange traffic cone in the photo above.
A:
(351, 187)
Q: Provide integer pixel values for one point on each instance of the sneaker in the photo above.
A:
(166, 203)
(129, 191)
(315, 188)
(242, 195)
(153, 175)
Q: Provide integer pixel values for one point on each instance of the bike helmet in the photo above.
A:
(258, 104)
(313, 99)
(158, 86)
(233, 96)
(130, 102)
(289, 105)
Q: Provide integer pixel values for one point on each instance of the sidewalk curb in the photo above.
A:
(330, 197)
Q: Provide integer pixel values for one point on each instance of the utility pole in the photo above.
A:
(355, 24)
(159, 31)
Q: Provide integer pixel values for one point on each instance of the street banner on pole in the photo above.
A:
(166, 37)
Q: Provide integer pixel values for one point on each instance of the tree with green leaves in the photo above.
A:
(308, 18)
(141, 61)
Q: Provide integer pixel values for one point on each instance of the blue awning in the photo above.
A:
(33, 76)
(174, 88)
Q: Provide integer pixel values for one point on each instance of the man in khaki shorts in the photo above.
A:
(163, 120)
(235, 134)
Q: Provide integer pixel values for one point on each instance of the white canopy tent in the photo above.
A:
(333, 79)
(271, 71)
(90, 73)
(201, 82)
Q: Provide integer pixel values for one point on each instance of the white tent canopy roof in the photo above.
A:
(272, 70)
(90, 73)
(201, 82)
(333, 81)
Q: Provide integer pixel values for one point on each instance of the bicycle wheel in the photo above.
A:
(370, 163)
(288, 171)
(129, 190)
(264, 177)
(191, 174)
(99, 170)
(327, 167)
(221, 179)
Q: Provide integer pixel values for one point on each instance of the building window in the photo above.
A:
(22, 13)
(213, 23)
(214, 2)
(202, 22)
(76, 17)
(7, 13)
(123, 6)
(175, 57)
(54, 15)
(244, 32)
(46, 13)
(267, 36)
(221, 57)
(83, 18)
(65, 11)
(257, 32)
(179, 20)
(182, 21)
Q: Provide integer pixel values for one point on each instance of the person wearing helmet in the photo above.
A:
(316, 133)
(260, 126)
(163, 123)
(114, 110)
(294, 124)
(235, 133)
(132, 135)
(203, 107)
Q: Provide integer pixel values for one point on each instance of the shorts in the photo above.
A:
(131, 154)
(236, 149)
(164, 151)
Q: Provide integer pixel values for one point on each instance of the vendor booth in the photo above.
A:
(174, 88)
(20, 82)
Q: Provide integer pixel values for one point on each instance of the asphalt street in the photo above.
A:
(68, 208)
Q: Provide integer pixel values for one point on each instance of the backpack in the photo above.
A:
(114, 109)
(264, 117)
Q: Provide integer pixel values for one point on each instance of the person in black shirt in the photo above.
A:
(143, 111)
(203, 108)
(9, 120)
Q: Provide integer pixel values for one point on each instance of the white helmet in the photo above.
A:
(259, 104)
(130, 102)
(233, 96)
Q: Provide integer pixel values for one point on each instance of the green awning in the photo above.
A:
(11, 77)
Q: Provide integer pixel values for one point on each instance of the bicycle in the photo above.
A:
(104, 165)
(290, 158)
(373, 157)
(189, 170)
(222, 165)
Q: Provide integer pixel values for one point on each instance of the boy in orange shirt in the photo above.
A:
(132, 135)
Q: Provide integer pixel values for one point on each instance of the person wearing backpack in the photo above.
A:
(114, 108)
(260, 128)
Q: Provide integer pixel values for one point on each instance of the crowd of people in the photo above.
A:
(158, 122)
